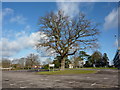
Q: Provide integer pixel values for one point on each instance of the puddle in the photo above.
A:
(20, 81)
(23, 87)
(12, 84)
(93, 84)
(57, 80)
(49, 86)
(30, 83)
(105, 78)
(88, 77)
(43, 79)
(71, 82)
(6, 80)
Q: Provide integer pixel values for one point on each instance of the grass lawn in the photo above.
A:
(99, 68)
(66, 72)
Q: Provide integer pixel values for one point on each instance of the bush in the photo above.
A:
(46, 66)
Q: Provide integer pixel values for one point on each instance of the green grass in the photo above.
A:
(94, 68)
(67, 72)
(99, 68)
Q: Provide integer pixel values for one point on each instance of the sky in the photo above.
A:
(20, 23)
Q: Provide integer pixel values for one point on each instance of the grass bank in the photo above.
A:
(67, 72)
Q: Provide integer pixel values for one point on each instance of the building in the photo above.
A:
(81, 63)
(71, 65)
(37, 66)
(116, 59)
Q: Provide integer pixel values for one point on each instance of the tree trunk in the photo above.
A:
(62, 64)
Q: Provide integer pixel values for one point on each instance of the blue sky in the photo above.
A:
(20, 24)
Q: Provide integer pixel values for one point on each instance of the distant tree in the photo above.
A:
(96, 58)
(21, 62)
(15, 61)
(87, 64)
(90, 60)
(6, 63)
(79, 59)
(75, 60)
(46, 66)
(67, 35)
(83, 54)
(31, 60)
(67, 62)
(48, 61)
(57, 62)
(15, 64)
(0, 63)
(105, 60)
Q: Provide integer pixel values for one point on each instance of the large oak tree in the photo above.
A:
(67, 35)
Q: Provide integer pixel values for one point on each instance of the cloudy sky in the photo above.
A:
(20, 25)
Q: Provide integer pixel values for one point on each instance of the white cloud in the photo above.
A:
(10, 48)
(111, 20)
(13, 18)
(15, 33)
(74, 8)
(7, 11)
(69, 8)
(18, 19)
(15, 41)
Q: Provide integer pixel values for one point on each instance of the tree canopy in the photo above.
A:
(98, 59)
(67, 35)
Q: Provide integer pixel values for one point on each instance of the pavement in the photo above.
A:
(101, 79)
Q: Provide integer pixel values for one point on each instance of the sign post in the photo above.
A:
(51, 65)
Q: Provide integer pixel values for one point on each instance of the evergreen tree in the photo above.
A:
(96, 58)
(105, 60)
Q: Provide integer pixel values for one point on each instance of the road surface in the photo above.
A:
(102, 79)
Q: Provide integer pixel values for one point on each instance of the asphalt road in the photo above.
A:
(102, 79)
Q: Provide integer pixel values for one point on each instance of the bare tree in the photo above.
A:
(31, 60)
(6, 63)
(21, 62)
(67, 35)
